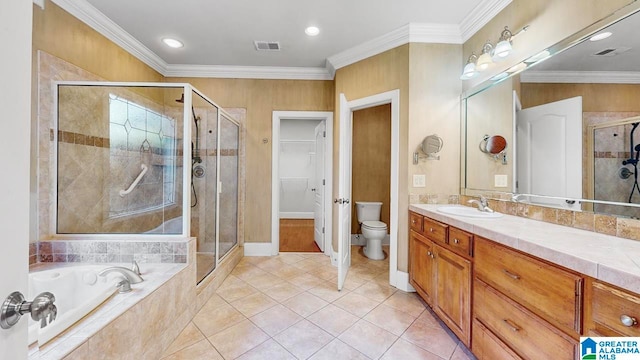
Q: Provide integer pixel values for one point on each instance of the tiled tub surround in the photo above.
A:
(109, 251)
(143, 323)
(160, 280)
(604, 257)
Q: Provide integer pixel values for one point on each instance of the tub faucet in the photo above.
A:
(130, 277)
(135, 268)
(482, 204)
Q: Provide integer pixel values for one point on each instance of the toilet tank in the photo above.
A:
(366, 211)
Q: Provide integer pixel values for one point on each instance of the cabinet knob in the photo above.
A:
(430, 254)
(431, 229)
(413, 221)
(456, 241)
(628, 321)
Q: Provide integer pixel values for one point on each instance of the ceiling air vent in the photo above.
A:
(267, 45)
(612, 52)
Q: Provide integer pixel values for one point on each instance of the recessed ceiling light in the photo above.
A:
(173, 43)
(600, 36)
(312, 31)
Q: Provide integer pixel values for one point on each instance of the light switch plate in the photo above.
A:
(419, 181)
(500, 181)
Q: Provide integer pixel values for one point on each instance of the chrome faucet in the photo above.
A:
(130, 277)
(482, 204)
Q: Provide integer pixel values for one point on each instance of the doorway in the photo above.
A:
(345, 205)
(301, 165)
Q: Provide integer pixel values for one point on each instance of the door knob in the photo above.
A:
(337, 201)
(41, 308)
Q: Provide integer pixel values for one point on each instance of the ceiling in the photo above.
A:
(221, 33)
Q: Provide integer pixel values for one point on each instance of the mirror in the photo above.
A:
(569, 121)
(430, 146)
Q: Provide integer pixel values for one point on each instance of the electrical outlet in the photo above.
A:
(500, 181)
(419, 181)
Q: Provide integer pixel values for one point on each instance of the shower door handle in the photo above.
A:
(42, 309)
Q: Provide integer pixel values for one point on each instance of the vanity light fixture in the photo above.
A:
(485, 58)
(312, 31)
(470, 69)
(600, 36)
(170, 42)
(504, 46)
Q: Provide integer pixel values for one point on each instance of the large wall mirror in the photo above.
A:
(570, 120)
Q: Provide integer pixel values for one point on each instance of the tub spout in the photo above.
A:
(130, 277)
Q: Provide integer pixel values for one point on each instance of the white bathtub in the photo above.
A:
(77, 289)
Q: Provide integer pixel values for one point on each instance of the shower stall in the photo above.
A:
(146, 160)
(615, 155)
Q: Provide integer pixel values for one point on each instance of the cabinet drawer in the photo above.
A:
(415, 222)
(524, 332)
(609, 304)
(435, 231)
(551, 292)
(460, 241)
(487, 346)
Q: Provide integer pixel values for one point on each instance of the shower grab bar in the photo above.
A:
(135, 182)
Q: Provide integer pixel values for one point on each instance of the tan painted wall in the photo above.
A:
(595, 97)
(550, 21)
(260, 98)
(371, 160)
(62, 35)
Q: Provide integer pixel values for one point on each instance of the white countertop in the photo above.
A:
(608, 258)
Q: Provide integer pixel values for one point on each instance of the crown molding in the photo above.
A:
(40, 3)
(98, 21)
(581, 77)
(412, 32)
(480, 16)
(248, 72)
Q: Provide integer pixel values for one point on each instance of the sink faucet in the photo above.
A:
(130, 277)
(482, 204)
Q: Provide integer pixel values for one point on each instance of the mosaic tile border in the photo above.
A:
(108, 251)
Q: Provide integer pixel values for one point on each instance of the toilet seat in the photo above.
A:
(374, 225)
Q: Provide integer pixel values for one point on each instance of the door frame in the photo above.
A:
(390, 97)
(277, 116)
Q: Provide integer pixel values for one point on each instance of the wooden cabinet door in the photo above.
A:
(421, 266)
(453, 286)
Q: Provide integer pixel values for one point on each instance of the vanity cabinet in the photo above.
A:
(528, 306)
(440, 274)
(611, 311)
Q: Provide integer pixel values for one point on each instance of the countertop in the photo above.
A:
(604, 257)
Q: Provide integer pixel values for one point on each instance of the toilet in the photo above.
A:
(373, 230)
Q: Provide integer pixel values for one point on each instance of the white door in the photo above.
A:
(344, 192)
(15, 102)
(549, 152)
(318, 196)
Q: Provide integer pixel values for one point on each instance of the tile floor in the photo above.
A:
(287, 307)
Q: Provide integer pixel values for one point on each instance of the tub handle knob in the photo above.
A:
(42, 309)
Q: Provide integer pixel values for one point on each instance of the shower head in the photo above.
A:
(181, 100)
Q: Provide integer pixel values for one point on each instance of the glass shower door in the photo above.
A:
(228, 205)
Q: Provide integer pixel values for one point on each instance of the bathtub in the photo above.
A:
(77, 289)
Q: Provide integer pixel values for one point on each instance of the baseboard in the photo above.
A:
(257, 249)
(402, 282)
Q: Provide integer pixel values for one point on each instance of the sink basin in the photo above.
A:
(468, 212)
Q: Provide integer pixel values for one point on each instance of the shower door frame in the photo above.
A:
(186, 170)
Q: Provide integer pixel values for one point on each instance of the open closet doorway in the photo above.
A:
(301, 167)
